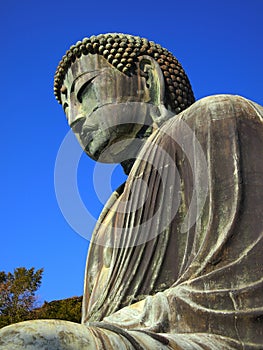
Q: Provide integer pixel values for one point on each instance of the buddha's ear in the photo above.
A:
(154, 78)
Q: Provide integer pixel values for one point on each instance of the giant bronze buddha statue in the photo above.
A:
(175, 260)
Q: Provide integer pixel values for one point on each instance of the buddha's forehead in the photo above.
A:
(85, 64)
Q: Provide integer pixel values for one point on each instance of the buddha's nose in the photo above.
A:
(74, 115)
(74, 110)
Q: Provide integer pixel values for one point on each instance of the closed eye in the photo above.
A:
(83, 88)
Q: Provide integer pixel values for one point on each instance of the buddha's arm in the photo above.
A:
(213, 301)
(216, 296)
(155, 323)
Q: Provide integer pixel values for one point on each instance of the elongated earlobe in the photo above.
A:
(160, 114)
(154, 79)
(155, 83)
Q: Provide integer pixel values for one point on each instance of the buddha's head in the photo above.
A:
(115, 88)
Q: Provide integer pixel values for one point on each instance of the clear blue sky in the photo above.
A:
(219, 43)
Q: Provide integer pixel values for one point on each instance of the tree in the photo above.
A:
(17, 294)
(66, 309)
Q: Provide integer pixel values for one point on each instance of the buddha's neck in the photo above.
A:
(127, 165)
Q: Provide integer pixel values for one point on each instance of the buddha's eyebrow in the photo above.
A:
(89, 75)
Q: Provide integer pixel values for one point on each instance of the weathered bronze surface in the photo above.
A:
(175, 261)
(122, 51)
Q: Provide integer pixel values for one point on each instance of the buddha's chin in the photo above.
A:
(104, 156)
(99, 153)
(106, 153)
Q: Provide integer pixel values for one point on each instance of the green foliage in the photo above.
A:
(66, 309)
(17, 294)
(18, 300)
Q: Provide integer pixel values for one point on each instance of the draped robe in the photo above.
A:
(155, 283)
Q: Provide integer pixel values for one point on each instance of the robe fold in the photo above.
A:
(175, 260)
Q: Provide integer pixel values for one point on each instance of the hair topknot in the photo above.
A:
(122, 51)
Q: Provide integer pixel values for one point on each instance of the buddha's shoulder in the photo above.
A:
(224, 99)
(217, 107)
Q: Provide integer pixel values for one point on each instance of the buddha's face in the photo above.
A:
(105, 108)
